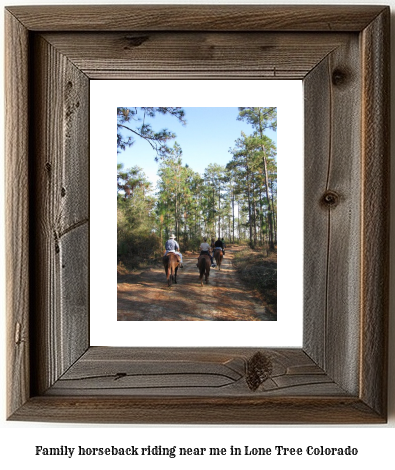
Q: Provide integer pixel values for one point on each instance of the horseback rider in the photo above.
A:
(205, 250)
(223, 245)
(219, 245)
(171, 246)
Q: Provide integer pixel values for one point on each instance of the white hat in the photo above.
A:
(172, 236)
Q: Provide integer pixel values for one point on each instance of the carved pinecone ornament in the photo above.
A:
(259, 369)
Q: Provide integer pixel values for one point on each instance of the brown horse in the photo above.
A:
(204, 264)
(218, 255)
(171, 262)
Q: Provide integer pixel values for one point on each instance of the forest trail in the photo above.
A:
(145, 296)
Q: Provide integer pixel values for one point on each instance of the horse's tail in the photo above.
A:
(202, 268)
(169, 269)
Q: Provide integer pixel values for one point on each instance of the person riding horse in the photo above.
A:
(223, 245)
(205, 250)
(218, 252)
(219, 245)
(171, 246)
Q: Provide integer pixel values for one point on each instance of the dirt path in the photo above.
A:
(145, 296)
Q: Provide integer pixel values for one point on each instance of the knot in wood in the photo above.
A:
(339, 77)
(119, 375)
(18, 335)
(135, 41)
(330, 199)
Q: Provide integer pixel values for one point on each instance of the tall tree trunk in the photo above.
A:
(270, 224)
(233, 216)
(270, 211)
(260, 217)
(254, 214)
(213, 211)
(238, 219)
(249, 207)
(176, 217)
(219, 214)
(274, 214)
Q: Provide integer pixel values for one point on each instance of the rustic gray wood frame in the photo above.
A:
(340, 373)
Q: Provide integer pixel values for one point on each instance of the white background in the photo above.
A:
(287, 95)
(17, 440)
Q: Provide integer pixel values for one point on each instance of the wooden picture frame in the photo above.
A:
(340, 374)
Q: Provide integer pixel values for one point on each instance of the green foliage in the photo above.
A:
(133, 121)
(259, 271)
(237, 202)
(255, 186)
(261, 151)
(136, 219)
(260, 118)
(139, 249)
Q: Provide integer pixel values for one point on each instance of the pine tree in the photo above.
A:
(135, 121)
(262, 119)
(214, 177)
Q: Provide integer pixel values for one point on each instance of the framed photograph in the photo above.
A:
(204, 143)
(210, 205)
(339, 375)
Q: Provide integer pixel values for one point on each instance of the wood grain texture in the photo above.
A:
(376, 212)
(61, 212)
(193, 372)
(196, 18)
(17, 213)
(339, 376)
(332, 214)
(198, 410)
(317, 113)
(196, 55)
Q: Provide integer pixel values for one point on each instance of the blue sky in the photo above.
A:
(205, 139)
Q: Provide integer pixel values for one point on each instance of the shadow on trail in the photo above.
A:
(145, 296)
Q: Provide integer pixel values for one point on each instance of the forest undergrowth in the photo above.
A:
(137, 252)
(258, 269)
